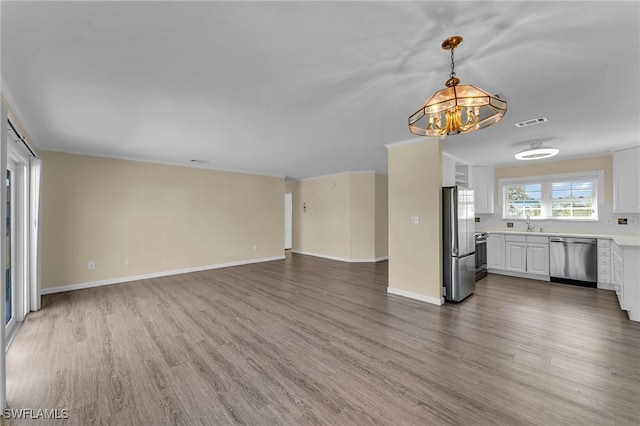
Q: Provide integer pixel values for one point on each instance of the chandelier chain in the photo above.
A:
(453, 73)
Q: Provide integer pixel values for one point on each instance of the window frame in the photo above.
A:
(546, 196)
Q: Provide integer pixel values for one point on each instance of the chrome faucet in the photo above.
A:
(530, 228)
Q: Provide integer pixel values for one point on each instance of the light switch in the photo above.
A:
(415, 220)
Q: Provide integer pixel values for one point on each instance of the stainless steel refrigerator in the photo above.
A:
(458, 240)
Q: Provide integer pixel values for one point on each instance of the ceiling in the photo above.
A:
(303, 89)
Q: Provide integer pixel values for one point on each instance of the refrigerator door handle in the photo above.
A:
(454, 247)
(455, 250)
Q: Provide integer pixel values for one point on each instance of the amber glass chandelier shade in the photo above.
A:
(457, 108)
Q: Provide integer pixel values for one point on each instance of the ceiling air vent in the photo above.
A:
(531, 122)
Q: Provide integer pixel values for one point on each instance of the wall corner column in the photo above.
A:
(415, 249)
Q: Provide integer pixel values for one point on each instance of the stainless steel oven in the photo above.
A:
(481, 255)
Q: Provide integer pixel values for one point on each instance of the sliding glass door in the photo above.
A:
(16, 257)
(9, 241)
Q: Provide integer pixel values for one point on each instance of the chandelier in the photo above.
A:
(457, 108)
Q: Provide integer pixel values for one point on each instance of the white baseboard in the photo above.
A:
(416, 296)
(80, 286)
(342, 259)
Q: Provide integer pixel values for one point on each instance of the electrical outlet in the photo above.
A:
(477, 219)
(509, 224)
(633, 221)
(91, 265)
(415, 220)
(126, 260)
(622, 221)
(255, 247)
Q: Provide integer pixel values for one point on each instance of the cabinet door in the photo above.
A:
(483, 187)
(462, 175)
(516, 256)
(538, 258)
(495, 252)
(626, 181)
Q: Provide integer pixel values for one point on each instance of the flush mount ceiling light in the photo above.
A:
(456, 109)
(536, 153)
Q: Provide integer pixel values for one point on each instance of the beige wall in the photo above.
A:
(415, 251)
(162, 218)
(604, 162)
(362, 209)
(324, 227)
(382, 216)
(340, 220)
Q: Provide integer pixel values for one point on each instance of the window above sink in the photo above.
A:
(572, 196)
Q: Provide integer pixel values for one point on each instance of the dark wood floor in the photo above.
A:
(314, 341)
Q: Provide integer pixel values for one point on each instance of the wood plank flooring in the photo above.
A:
(309, 341)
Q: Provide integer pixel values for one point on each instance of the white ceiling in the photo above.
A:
(304, 89)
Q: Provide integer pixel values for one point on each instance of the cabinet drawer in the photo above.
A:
(604, 243)
(604, 269)
(605, 279)
(604, 260)
(537, 239)
(516, 238)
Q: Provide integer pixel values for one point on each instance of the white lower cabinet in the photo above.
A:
(604, 264)
(495, 251)
(524, 255)
(538, 258)
(625, 270)
(518, 254)
(618, 273)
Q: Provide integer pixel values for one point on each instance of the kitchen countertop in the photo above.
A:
(621, 240)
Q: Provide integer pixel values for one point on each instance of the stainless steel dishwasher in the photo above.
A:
(573, 260)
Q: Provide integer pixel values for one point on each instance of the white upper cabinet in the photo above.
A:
(448, 171)
(455, 172)
(483, 186)
(626, 180)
